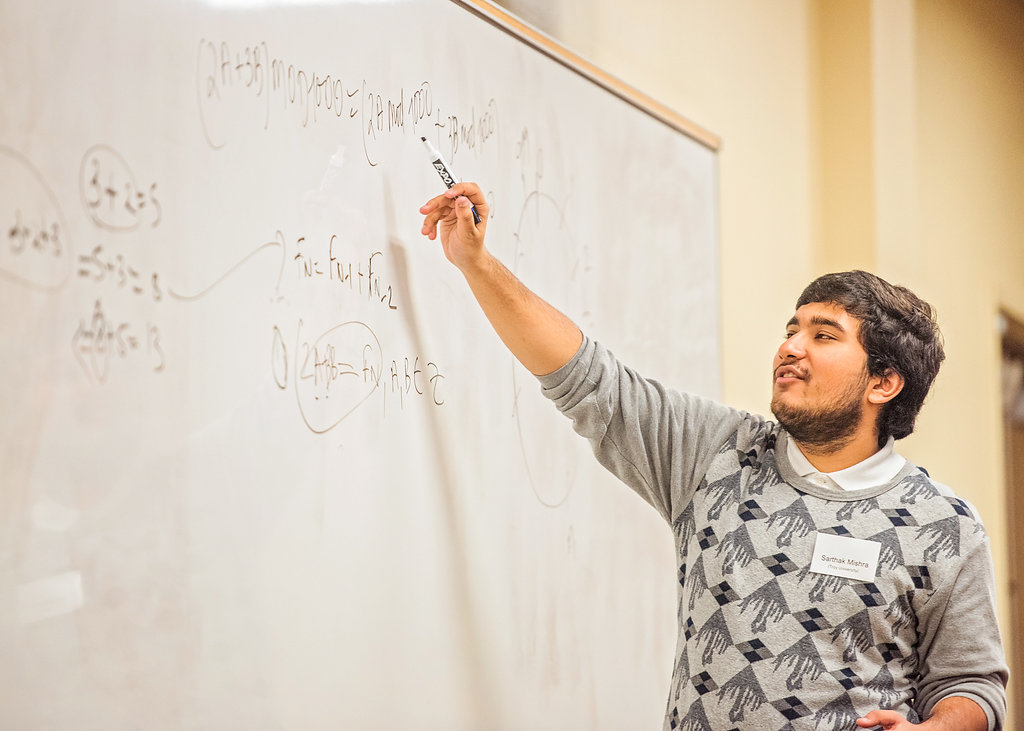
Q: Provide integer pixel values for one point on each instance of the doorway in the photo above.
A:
(1013, 429)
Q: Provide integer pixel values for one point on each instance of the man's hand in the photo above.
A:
(886, 720)
(955, 713)
(461, 238)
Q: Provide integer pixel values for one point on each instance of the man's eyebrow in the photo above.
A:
(818, 320)
(827, 322)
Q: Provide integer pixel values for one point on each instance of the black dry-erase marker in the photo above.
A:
(444, 171)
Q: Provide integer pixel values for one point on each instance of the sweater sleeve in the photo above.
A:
(960, 649)
(658, 441)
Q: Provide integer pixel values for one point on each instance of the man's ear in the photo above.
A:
(885, 388)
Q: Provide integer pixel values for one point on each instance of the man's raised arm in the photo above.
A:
(539, 336)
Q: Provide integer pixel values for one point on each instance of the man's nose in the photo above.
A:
(792, 347)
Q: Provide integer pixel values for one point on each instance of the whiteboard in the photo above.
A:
(264, 464)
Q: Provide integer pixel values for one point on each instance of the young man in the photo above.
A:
(825, 581)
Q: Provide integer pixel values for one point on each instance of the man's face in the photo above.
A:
(820, 376)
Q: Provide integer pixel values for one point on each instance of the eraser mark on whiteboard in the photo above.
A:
(50, 597)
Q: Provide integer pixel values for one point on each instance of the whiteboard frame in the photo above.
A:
(513, 25)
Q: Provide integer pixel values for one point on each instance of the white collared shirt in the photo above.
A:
(876, 470)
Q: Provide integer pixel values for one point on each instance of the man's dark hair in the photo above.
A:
(897, 329)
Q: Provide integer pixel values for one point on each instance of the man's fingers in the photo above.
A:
(433, 203)
(441, 208)
(446, 208)
(882, 719)
(464, 213)
(471, 191)
(441, 200)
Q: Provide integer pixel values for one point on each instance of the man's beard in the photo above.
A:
(831, 425)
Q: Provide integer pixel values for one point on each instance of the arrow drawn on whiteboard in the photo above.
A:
(277, 242)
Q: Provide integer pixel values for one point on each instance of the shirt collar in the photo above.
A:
(877, 469)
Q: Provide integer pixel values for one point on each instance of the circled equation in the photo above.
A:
(335, 373)
(112, 196)
(35, 249)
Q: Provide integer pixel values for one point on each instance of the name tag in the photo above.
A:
(850, 557)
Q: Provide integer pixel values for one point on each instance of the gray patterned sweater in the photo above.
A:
(764, 643)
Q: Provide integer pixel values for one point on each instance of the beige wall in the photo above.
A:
(969, 141)
(885, 134)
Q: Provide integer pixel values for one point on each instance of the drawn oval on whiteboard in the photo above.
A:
(336, 373)
(550, 454)
(35, 249)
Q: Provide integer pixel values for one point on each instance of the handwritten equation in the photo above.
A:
(247, 86)
(99, 341)
(99, 267)
(359, 276)
(111, 195)
(340, 369)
